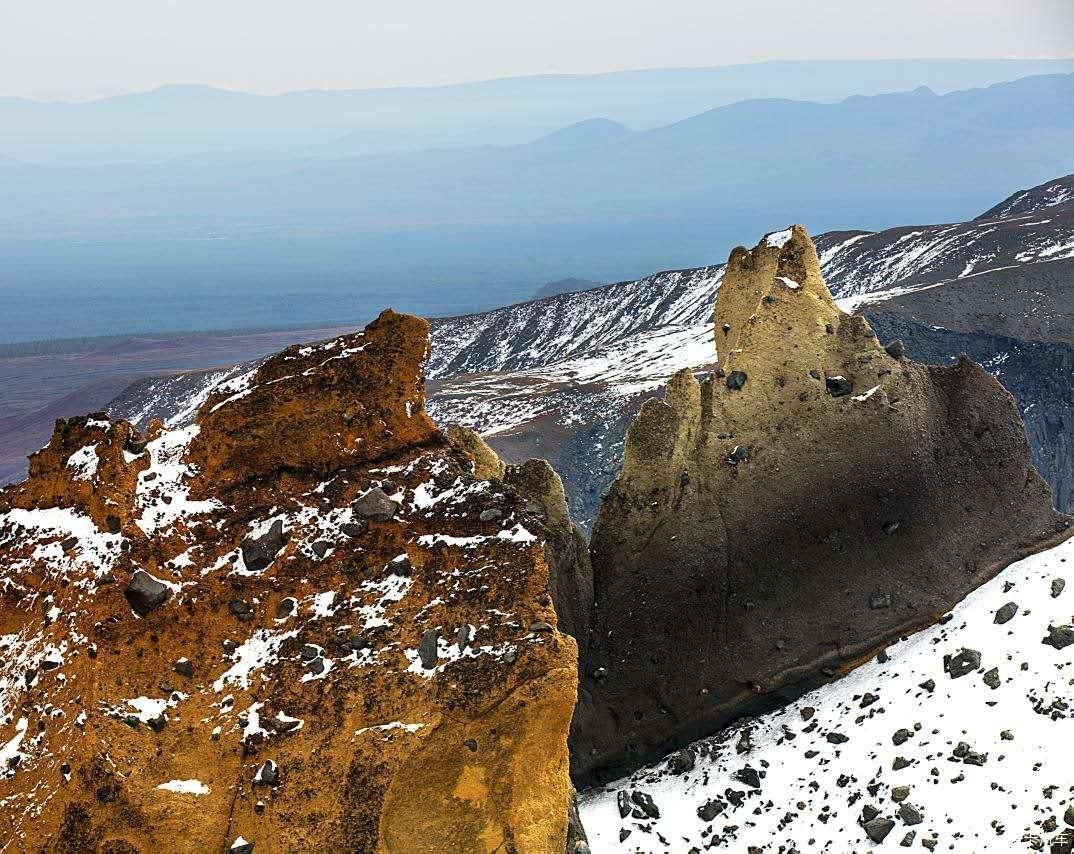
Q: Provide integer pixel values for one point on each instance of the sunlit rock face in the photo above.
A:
(778, 522)
(300, 623)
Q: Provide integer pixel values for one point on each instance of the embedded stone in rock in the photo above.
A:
(1059, 637)
(259, 552)
(427, 649)
(736, 380)
(145, 593)
(895, 349)
(267, 774)
(1006, 613)
(877, 829)
(964, 662)
(376, 505)
(739, 454)
(241, 610)
(838, 386)
(184, 667)
(241, 846)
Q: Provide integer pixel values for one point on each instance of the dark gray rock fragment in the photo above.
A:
(376, 505)
(964, 662)
(877, 829)
(1059, 637)
(1007, 613)
(910, 814)
(645, 803)
(427, 649)
(736, 379)
(259, 552)
(145, 593)
(838, 386)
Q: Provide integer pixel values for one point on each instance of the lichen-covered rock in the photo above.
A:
(205, 645)
(767, 534)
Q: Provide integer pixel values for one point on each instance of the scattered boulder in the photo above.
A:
(710, 809)
(966, 661)
(259, 552)
(1007, 613)
(184, 667)
(645, 803)
(877, 829)
(145, 593)
(1059, 637)
(374, 504)
(910, 814)
(1058, 585)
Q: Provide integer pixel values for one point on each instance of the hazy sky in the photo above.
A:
(74, 49)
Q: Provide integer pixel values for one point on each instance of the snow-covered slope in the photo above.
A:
(548, 330)
(927, 742)
(864, 268)
(1034, 200)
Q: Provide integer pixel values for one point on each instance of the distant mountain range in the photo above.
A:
(187, 120)
(269, 242)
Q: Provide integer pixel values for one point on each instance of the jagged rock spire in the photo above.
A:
(779, 520)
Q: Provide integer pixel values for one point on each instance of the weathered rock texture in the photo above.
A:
(787, 517)
(302, 622)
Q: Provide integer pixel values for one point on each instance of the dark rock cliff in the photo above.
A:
(775, 524)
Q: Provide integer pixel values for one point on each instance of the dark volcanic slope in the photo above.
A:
(1040, 229)
(1034, 200)
(1032, 302)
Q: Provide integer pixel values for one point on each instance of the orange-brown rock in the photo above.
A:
(311, 628)
(370, 403)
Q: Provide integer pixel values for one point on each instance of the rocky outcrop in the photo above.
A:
(300, 623)
(785, 518)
